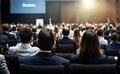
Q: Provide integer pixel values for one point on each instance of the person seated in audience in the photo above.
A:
(14, 31)
(71, 31)
(34, 32)
(77, 36)
(24, 48)
(114, 44)
(45, 56)
(108, 31)
(34, 35)
(3, 65)
(66, 39)
(102, 40)
(90, 51)
(7, 39)
(56, 32)
(86, 27)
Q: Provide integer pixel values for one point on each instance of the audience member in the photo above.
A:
(114, 44)
(100, 37)
(24, 48)
(66, 39)
(34, 36)
(7, 39)
(108, 31)
(56, 32)
(14, 31)
(45, 57)
(77, 36)
(90, 51)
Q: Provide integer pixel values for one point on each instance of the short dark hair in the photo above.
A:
(114, 36)
(13, 28)
(100, 32)
(25, 35)
(66, 30)
(34, 29)
(45, 39)
(5, 27)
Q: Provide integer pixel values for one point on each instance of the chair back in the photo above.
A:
(112, 52)
(118, 64)
(12, 63)
(37, 69)
(64, 55)
(93, 69)
(65, 48)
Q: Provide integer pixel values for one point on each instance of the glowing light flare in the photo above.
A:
(87, 1)
(88, 4)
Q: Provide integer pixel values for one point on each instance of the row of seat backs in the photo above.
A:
(74, 69)
(12, 63)
(93, 69)
(15, 67)
(109, 52)
(69, 48)
(35, 69)
(112, 52)
(65, 48)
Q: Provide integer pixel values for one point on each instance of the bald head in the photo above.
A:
(66, 31)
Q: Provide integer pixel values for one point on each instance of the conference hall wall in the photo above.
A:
(93, 11)
(65, 11)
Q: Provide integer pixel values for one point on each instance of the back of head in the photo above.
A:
(110, 26)
(39, 26)
(100, 32)
(56, 28)
(113, 30)
(45, 39)
(5, 27)
(66, 31)
(90, 44)
(114, 36)
(34, 28)
(25, 35)
(77, 34)
(88, 26)
(92, 27)
(14, 28)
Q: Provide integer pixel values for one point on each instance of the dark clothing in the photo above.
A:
(35, 36)
(114, 45)
(45, 58)
(66, 40)
(7, 40)
(89, 60)
(107, 32)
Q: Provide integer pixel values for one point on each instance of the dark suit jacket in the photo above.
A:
(6, 38)
(67, 40)
(87, 60)
(114, 45)
(107, 32)
(45, 58)
(9, 35)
